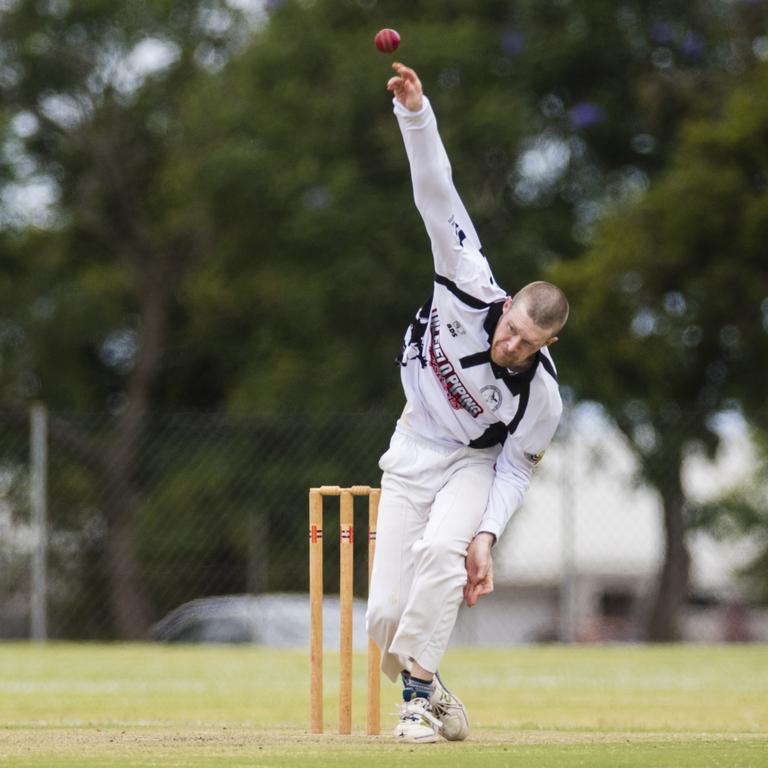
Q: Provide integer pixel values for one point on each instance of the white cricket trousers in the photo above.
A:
(432, 500)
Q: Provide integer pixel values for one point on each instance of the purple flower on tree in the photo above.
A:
(585, 114)
(512, 43)
(662, 32)
(692, 45)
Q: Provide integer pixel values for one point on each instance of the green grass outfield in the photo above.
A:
(83, 706)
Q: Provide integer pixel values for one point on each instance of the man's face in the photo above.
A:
(517, 338)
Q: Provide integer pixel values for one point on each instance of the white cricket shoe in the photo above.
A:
(417, 723)
(449, 711)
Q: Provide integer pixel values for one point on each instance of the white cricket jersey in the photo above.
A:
(455, 394)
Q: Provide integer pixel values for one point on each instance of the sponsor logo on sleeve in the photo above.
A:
(535, 458)
(455, 328)
(458, 231)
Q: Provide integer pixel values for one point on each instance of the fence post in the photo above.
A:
(567, 619)
(38, 470)
(256, 567)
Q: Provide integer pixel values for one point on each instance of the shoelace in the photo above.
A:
(416, 714)
(446, 704)
(446, 707)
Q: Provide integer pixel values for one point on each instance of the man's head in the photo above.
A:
(530, 320)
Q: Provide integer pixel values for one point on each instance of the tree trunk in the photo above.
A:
(131, 610)
(672, 584)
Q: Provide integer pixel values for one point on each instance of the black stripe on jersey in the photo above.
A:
(497, 433)
(478, 358)
(515, 382)
(518, 381)
(512, 426)
(548, 367)
(470, 301)
(495, 311)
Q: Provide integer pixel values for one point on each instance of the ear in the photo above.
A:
(507, 305)
(551, 341)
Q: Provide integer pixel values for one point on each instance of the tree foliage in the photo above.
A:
(671, 321)
(230, 228)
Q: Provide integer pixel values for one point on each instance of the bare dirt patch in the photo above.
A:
(86, 740)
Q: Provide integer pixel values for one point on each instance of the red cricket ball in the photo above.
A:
(387, 40)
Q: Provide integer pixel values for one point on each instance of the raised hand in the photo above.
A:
(406, 87)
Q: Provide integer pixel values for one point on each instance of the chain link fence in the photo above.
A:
(196, 528)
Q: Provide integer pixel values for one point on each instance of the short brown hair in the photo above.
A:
(545, 304)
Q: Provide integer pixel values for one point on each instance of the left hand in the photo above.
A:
(479, 565)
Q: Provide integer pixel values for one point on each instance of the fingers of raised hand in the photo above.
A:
(402, 70)
(408, 75)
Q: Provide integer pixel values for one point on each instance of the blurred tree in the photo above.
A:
(550, 112)
(89, 92)
(671, 323)
(741, 514)
(222, 219)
